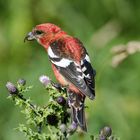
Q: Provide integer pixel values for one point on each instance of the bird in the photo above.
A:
(71, 66)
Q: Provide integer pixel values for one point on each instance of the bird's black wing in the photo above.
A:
(79, 75)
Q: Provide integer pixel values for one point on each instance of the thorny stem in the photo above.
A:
(92, 137)
(31, 105)
(39, 128)
(52, 134)
(65, 138)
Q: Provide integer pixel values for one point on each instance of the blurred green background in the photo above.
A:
(100, 25)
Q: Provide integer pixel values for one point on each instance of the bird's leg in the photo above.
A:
(58, 86)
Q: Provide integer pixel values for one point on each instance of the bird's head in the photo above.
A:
(45, 34)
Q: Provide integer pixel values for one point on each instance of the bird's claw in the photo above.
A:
(58, 87)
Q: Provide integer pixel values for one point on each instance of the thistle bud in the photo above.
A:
(21, 82)
(11, 88)
(105, 133)
(52, 119)
(63, 128)
(45, 80)
(61, 100)
(102, 137)
(72, 128)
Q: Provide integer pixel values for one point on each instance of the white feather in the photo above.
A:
(87, 76)
(81, 77)
(51, 53)
(78, 69)
(87, 58)
(82, 62)
(84, 69)
(62, 63)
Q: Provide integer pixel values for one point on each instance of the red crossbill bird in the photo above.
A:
(71, 66)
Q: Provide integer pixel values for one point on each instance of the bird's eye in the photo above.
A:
(38, 32)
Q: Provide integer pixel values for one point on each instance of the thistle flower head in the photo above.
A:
(63, 128)
(45, 80)
(21, 82)
(105, 133)
(72, 128)
(61, 100)
(11, 88)
(52, 119)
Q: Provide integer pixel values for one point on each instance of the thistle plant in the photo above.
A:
(49, 122)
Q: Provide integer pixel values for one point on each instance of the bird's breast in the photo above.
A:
(63, 81)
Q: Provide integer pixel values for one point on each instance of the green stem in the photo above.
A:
(31, 105)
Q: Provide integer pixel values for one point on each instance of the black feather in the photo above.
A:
(89, 75)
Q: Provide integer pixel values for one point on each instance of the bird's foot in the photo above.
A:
(58, 86)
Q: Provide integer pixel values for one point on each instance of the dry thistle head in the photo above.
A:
(121, 52)
(45, 80)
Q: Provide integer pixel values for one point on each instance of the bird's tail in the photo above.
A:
(78, 114)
